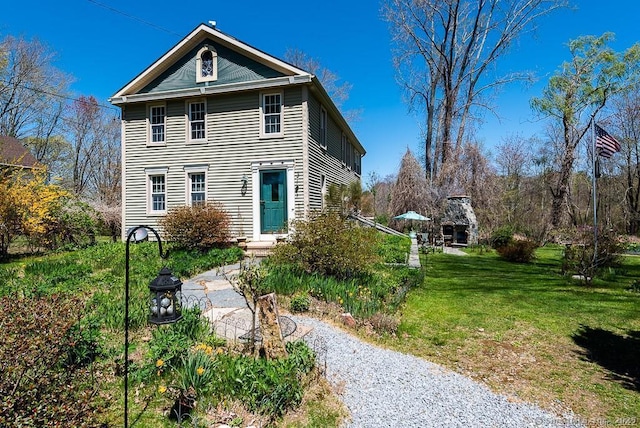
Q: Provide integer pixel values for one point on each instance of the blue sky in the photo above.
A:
(104, 50)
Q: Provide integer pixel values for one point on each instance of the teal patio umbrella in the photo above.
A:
(412, 215)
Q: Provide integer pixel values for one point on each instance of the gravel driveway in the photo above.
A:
(384, 388)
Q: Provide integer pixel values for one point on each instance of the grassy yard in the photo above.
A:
(530, 333)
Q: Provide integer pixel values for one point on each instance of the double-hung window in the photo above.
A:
(344, 143)
(157, 193)
(323, 127)
(197, 188)
(272, 114)
(157, 115)
(197, 113)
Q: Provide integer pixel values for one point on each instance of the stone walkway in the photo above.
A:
(227, 310)
(224, 308)
(414, 257)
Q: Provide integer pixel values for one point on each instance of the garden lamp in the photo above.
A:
(165, 298)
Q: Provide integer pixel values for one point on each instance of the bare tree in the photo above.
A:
(105, 175)
(84, 134)
(513, 160)
(444, 52)
(337, 90)
(31, 89)
(626, 120)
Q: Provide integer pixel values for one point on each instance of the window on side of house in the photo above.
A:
(196, 114)
(358, 163)
(323, 127)
(157, 193)
(157, 118)
(271, 114)
(197, 188)
(343, 150)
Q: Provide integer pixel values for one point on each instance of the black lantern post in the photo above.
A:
(164, 301)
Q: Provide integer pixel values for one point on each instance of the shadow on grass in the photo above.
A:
(620, 355)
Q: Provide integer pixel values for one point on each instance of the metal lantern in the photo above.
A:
(165, 298)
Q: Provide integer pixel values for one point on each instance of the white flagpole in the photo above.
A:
(595, 202)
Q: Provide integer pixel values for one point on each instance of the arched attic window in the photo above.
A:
(207, 65)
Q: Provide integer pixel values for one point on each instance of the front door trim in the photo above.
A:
(256, 167)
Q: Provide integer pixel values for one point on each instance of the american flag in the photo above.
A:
(606, 145)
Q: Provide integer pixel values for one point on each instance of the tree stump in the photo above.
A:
(272, 341)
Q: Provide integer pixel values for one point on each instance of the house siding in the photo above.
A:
(327, 162)
(232, 144)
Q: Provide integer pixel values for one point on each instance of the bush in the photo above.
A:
(521, 251)
(502, 237)
(300, 303)
(37, 385)
(270, 387)
(579, 255)
(72, 224)
(201, 227)
(394, 249)
(327, 244)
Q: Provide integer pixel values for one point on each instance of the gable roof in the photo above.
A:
(137, 90)
(13, 153)
(200, 33)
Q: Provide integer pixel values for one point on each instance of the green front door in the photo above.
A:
(273, 200)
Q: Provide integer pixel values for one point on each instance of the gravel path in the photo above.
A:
(384, 388)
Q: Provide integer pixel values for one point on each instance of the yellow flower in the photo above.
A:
(162, 389)
(219, 351)
(160, 362)
(200, 370)
(209, 350)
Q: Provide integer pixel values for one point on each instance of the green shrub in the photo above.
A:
(501, 237)
(269, 387)
(300, 303)
(201, 226)
(85, 342)
(394, 249)
(327, 244)
(520, 251)
(170, 343)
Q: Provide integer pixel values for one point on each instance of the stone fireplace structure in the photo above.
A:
(459, 224)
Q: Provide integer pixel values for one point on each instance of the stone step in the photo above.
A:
(259, 248)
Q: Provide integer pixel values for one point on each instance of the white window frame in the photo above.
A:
(264, 115)
(214, 71)
(150, 118)
(323, 191)
(190, 121)
(150, 174)
(343, 149)
(324, 126)
(357, 162)
(191, 171)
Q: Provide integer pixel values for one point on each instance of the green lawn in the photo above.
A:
(530, 333)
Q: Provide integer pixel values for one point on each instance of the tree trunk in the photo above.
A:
(272, 340)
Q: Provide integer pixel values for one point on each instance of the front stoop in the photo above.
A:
(259, 248)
